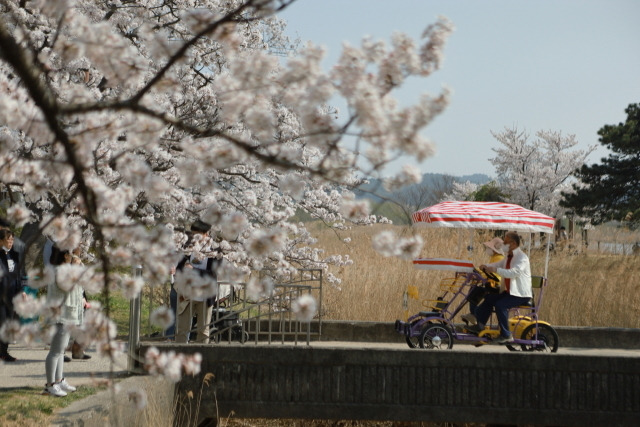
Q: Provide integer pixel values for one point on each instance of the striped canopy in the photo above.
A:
(484, 215)
(448, 264)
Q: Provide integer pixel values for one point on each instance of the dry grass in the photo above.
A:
(584, 290)
(594, 290)
(333, 423)
(26, 406)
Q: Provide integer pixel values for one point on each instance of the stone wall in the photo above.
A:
(411, 385)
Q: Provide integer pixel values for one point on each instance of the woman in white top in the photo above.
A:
(71, 313)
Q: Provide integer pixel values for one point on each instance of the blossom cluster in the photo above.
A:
(170, 364)
(304, 307)
(122, 125)
(533, 172)
(389, 244)
(192, 285)
(28, 334)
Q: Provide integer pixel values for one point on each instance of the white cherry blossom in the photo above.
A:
(162, 317)
(259, 288)
(120, 126)
(26, 305)
(304, 307)
(388, 244)
(19, 214)
(533, 172)
(138, 398)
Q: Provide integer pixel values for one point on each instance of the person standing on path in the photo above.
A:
(10, 283)
(71, 312)
(201, 308)
(170, 332)
(18, 246)
(77, 351)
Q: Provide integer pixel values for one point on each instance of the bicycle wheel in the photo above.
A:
(414, 341)
(513, 347)
(437, 337)
(545, 333)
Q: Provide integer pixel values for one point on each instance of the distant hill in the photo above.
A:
(476, 178)
(375, 191)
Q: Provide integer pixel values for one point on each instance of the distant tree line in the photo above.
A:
(544, 173)
(610, 190)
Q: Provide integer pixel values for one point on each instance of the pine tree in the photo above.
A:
(611, 190)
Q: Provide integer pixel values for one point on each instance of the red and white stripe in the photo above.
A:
(484, 215)
(448, 264)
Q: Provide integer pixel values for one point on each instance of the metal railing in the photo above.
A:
(270, 319)
(235, 315)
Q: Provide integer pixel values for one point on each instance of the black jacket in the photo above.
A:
(10, 281)
(212, 265)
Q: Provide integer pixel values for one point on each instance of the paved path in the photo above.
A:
(469, 347)
(28, 370)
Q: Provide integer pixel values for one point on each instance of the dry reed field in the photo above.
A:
(332, 423)
(585, 289)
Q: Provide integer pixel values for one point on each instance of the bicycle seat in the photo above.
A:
(430, 313)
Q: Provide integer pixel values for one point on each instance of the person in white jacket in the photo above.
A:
(71, 313)
(515, 287)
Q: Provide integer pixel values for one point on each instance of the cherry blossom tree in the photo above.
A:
(461, 191)
(533, 172)
(469, 191)
(123, 121)
(419, 196)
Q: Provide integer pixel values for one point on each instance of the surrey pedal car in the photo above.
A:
(434, 327)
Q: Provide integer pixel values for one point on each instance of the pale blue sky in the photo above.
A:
(562, 65)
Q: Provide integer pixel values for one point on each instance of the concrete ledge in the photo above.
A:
(333, 330)
(587, 337)
(582, 337)
(408, 385)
